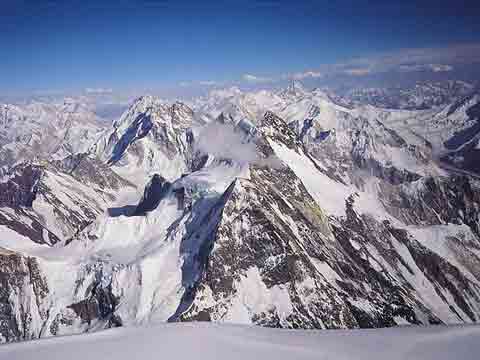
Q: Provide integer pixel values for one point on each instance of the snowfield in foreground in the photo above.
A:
(214, 341)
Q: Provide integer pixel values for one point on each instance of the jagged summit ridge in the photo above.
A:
(152, 136)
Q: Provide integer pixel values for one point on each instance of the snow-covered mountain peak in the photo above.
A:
(177, 114)
(295, 90)
(142, 105)
(152, 135)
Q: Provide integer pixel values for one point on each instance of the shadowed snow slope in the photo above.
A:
(239, 342)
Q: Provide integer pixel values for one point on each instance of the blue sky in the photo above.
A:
(126, 44)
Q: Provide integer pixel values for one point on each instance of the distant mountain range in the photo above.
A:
(291, 208)
(422, 95)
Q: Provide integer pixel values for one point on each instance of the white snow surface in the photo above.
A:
(214, 341)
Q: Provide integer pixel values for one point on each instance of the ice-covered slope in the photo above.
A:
(187, 341)
(124, 269)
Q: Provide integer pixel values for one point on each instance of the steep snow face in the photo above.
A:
(366, 221)
(39, 130)
(150, 137)
(67, 202)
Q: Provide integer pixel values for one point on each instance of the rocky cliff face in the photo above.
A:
(23, 297)
(274, 247)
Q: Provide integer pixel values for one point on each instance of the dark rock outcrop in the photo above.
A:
(20, 188)
(154, 192)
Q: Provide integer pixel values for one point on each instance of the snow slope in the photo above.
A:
(212, 341)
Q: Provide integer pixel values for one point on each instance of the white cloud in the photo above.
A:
(405, 60)
(198, 83)
(256, 79)
(425, 67)
(357, 71)
(207, 83)
(225, 142)
(98, 91)
(426, 59)
(222, 141)
(441, 68)
(303, 75)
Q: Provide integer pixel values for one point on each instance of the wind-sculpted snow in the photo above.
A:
(210, 341)
(280, 209)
